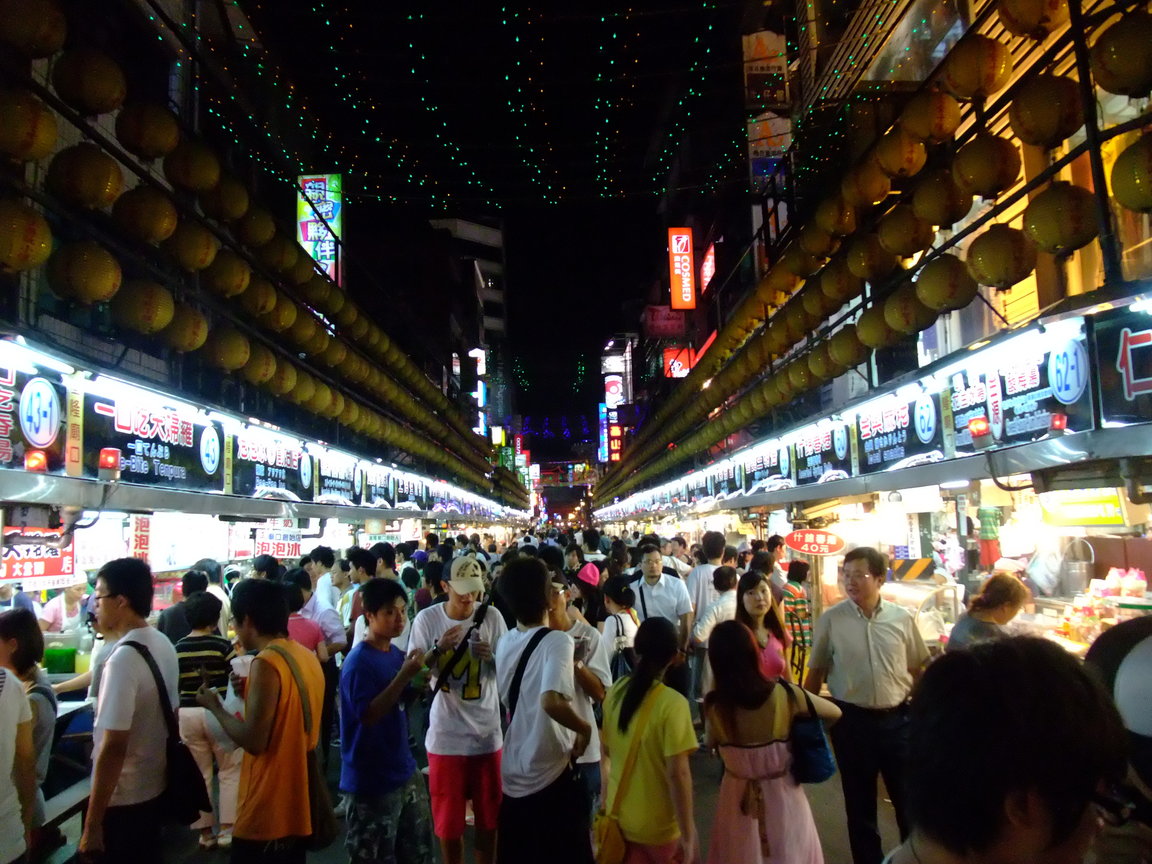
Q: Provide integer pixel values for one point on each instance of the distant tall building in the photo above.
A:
(481, 247)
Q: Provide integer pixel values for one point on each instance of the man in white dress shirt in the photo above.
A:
(660, 595)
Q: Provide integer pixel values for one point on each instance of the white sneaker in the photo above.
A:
(341, 809)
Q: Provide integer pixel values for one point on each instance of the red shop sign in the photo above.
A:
(36, 561)
(813, 542)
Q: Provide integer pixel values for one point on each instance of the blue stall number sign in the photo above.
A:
(1068, 372)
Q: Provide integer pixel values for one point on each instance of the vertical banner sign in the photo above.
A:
(324, 192)
(707, 268)
(602, 453)
(681, 268)
(613, 390)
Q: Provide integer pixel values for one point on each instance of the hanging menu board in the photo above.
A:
(378, 487)
(337, 478)
(824, 454)
(893, 434)
(266, 465)
(159, 446)
(769, 468)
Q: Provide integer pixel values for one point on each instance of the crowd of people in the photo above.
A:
(552, 693)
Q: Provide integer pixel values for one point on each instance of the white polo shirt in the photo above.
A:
(668, 598)
(868, 658)
(700, 587)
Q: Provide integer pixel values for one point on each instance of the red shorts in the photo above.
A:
(454, 780)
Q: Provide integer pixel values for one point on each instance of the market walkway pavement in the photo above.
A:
(826, 800)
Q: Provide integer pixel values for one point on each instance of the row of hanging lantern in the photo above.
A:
(82, 271)
(830, 259)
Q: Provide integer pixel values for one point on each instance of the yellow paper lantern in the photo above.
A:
(873, 331)
(302, 329)
(334, 302)
(256, 227)
(227, 201)
(944, 284)
(27, 127)
(976, 67)
(1033, 18)
(25, 238)
(192, 166)
(283, 380)
(315, 291)
(259, 298)
(335, 354)
(318, 343)
(35, 28)
(1132, 176)
(228, 349)
(816, 303)
(1120, 60)
(866, 185)
(836, 216)
(278, 254)
(822, 365)
(305, 388)
(1046, 110)
(188, 330)
(192, 245)
(816, 241)
(84, 271)
(1001, 256)
(359, 328)
(347, 315)
(228, 275)
(839, 282)
(145, 214)
(1062, 218)
(303, 270)
(931, 116)
(350, 416)
(147, 130)
(321, 398)
(799, 262)
(86, 176)
(336, 407)
(900, 154)
(867, 259)
(846, 349)
(904, 312)
(986, 165)
(795, 322)
(89, 81)
(799, 375)
(902, 233)
(939, 199)
(282, 316)
(261, 365)
(143, 306)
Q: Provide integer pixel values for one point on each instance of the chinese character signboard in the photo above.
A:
(707, 268)
(1124, 364)
(615, 435)
(896, 434)
(159, 446)
(32, 410)
(765, 70)
(1019, 396)
(661, 322)
(824, 454)
(602, 454)
(768, 468)
(682, 270)
(338, 478)
(33, 558)
(321, 194)
(281, 539)
(267, 466)
(813, 542)
(678, 362)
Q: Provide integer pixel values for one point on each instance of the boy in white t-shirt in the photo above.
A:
(544, 814)
(464, 739)
(129, 738)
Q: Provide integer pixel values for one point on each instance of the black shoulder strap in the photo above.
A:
(165, 702)
(643, 602)
(462, 646)
(514, 690)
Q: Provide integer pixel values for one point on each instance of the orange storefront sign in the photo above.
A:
(682, 268)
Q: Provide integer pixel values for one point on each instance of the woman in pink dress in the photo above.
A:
(758, 610)
(762, 815)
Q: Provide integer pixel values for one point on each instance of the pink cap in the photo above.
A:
(589, 573)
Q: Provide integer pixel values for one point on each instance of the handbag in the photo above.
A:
(623, 654)
(185, 796)
(325, 829)
(606, 834)
(812, 760)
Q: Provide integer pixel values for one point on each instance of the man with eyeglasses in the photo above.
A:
(871, 654)
(130, 733)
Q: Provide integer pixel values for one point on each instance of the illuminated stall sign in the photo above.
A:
(280, 538)
(379, 490)
(319, 237)
(824, 454)
(894, 434)
(37, 565)
(678, 361)
(769, 468)
(707, 268)
(726, 480)
(615, 435)
(267, 466)
(412, 493)
(32, 419)
(159, 446)
(602, 414)
(682, 270)
(1124, 364)
(338, 478)
(1021, 397)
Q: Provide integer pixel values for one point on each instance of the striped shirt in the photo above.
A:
(212, 654)
(798, 613)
